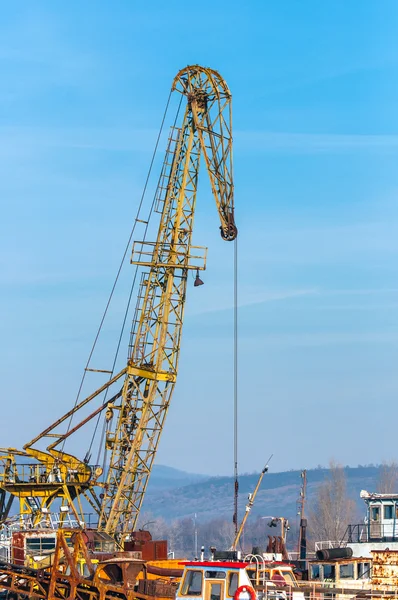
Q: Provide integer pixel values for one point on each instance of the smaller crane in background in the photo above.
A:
(249, 505)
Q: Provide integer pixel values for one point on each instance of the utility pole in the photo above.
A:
(303, 521)
(195, 534)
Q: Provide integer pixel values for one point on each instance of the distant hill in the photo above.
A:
(174, 494)
(184, 494)
(164, 478)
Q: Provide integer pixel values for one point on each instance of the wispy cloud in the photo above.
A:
(325, 338)
(263, 297)
(252, 300)
(134, 139)
(268, 141)
(357, 307)
(361, 292)
(28, 140)
(365, 243)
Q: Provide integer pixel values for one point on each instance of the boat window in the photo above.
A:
(315, 572)
(363, 570)
(388, 511)
(289, 577)
(329, 572)
(232, 583)
(375, 513)
(192, 583)
(251, 573)
(39, 544)
(347, 571)
(215, 574)
(215, 591)
(264, 575)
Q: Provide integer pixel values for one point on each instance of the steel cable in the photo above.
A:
(235, 394)
(118, 273)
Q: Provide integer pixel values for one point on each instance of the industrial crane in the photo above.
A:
(135, 411)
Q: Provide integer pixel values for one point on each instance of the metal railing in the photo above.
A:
(39, 473)
(53, 520)
(369, 591)
(329, 544)
(371, 532)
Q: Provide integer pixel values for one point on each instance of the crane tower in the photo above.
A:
(135, 413)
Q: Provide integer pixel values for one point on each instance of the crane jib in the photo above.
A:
(134, 416)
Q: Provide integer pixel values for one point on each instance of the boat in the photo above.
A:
(254, 577)
(367, 556)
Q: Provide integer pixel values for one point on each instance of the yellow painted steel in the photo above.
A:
(156, 376)
(135, 415)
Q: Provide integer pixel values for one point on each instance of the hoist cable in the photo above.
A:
(235, 393)
(119, 270)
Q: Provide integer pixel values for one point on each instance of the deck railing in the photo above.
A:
(37, 473)
(371, 532)
(329, 544)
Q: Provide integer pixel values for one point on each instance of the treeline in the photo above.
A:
(186, 536)
(329, 511)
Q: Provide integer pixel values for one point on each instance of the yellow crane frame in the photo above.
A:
(136, 413)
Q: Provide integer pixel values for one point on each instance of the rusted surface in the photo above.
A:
(141, 541)
(276, 545)
(117, 576)
(26, 544)
(156, 588)
(385, 570)
(150, 550)
(163, 571)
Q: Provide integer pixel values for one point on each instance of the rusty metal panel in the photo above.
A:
(156, 588)
(151, 550)
(160, 549)
(18, 548)
(385, 570)
(26, 544)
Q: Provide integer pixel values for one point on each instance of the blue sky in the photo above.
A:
(315, 90)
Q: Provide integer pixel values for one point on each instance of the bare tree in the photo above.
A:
(332, 510)
(217, 532)
(388, 478)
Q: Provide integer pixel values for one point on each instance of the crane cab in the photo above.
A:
(244, 580)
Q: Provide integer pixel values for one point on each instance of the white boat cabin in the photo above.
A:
(380, 527)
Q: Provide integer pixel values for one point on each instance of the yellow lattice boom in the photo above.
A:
(136, 413)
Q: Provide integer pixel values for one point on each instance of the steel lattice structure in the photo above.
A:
(136, 413)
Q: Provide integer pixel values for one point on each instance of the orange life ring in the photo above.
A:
(245, 588)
